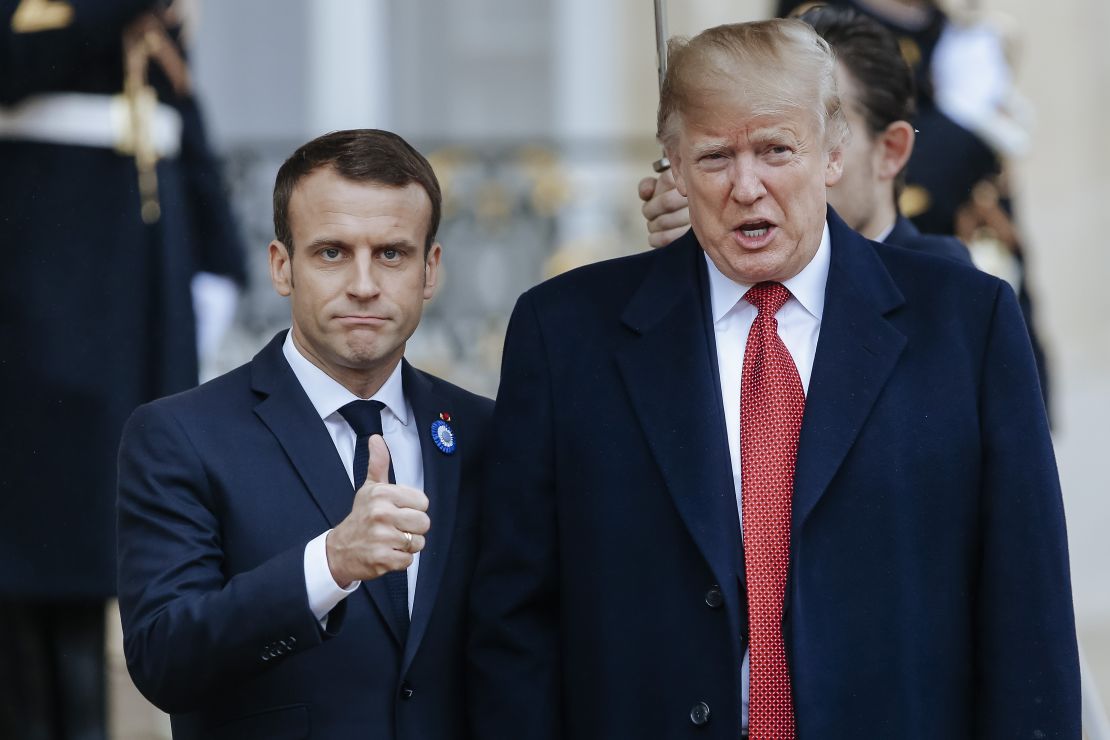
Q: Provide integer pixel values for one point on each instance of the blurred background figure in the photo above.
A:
(114, 222)
(971, 122)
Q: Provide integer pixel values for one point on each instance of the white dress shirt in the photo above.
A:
(401, 436)
(885, 233)
(799, 327)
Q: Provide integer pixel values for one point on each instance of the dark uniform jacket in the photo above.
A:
(95, 307)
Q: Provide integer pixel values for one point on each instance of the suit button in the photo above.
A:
(406, 691)
(713, 598)
(699, 715)
(292, 641)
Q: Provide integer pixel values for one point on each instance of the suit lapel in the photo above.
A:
(669, 371)
(290, 416)
(441, 484)
(856, 353)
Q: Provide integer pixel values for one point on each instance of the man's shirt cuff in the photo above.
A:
(323, 592)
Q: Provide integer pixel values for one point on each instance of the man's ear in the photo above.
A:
(834, 167)
(895, 146)
(431, 270)
(672, 155)
(281, 268)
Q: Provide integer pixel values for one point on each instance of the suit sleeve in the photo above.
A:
(514, 645)
(188, 630)
(1027, 660)
(220, 248)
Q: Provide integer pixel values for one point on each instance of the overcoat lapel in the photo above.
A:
(856, 353)
(290, 416)
(668, 368)
(441, 484)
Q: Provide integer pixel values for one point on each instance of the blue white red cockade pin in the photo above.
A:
(443, 435)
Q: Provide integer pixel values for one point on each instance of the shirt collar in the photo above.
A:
(808, 286)
(328, 395)
(885, 233)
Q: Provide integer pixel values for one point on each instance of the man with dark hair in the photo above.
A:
(969, 120)
(295, 537)
(392, 161)
(774, 479)
(877, 91)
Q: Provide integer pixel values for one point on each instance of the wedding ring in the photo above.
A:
(408, 541)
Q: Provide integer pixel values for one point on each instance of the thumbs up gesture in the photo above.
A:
(385, 528)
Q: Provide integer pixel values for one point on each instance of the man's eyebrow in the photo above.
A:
(709, 147)
(776, 133)
(398, 244)
(324, 242)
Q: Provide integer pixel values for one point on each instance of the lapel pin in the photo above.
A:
(442, 434)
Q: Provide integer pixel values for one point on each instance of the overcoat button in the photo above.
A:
(699, 715)
(713, 598)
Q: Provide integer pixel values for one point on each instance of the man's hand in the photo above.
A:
(371, 541)
(666, 209)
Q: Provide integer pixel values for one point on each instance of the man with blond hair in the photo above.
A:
(773, 480)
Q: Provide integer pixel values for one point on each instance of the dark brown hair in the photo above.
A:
(872, 57)
(361, 155)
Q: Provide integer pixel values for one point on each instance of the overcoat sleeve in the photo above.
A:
(1026, 659)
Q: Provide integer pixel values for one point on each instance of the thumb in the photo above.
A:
(377, 470)
(647, 188)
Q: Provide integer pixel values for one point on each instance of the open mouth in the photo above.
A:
(755, 229)
(754, 234)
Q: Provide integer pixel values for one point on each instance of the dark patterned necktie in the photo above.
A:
(365, 417)
(771, 405)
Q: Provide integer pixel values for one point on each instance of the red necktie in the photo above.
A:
(771, 406)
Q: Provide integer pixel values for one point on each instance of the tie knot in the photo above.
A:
(768, 298)
(365, 417)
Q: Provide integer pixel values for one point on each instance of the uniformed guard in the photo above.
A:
(109, 206)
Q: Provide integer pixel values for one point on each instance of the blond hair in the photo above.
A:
(778, 65)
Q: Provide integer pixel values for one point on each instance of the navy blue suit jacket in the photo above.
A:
(221, 488)
(928, 592)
